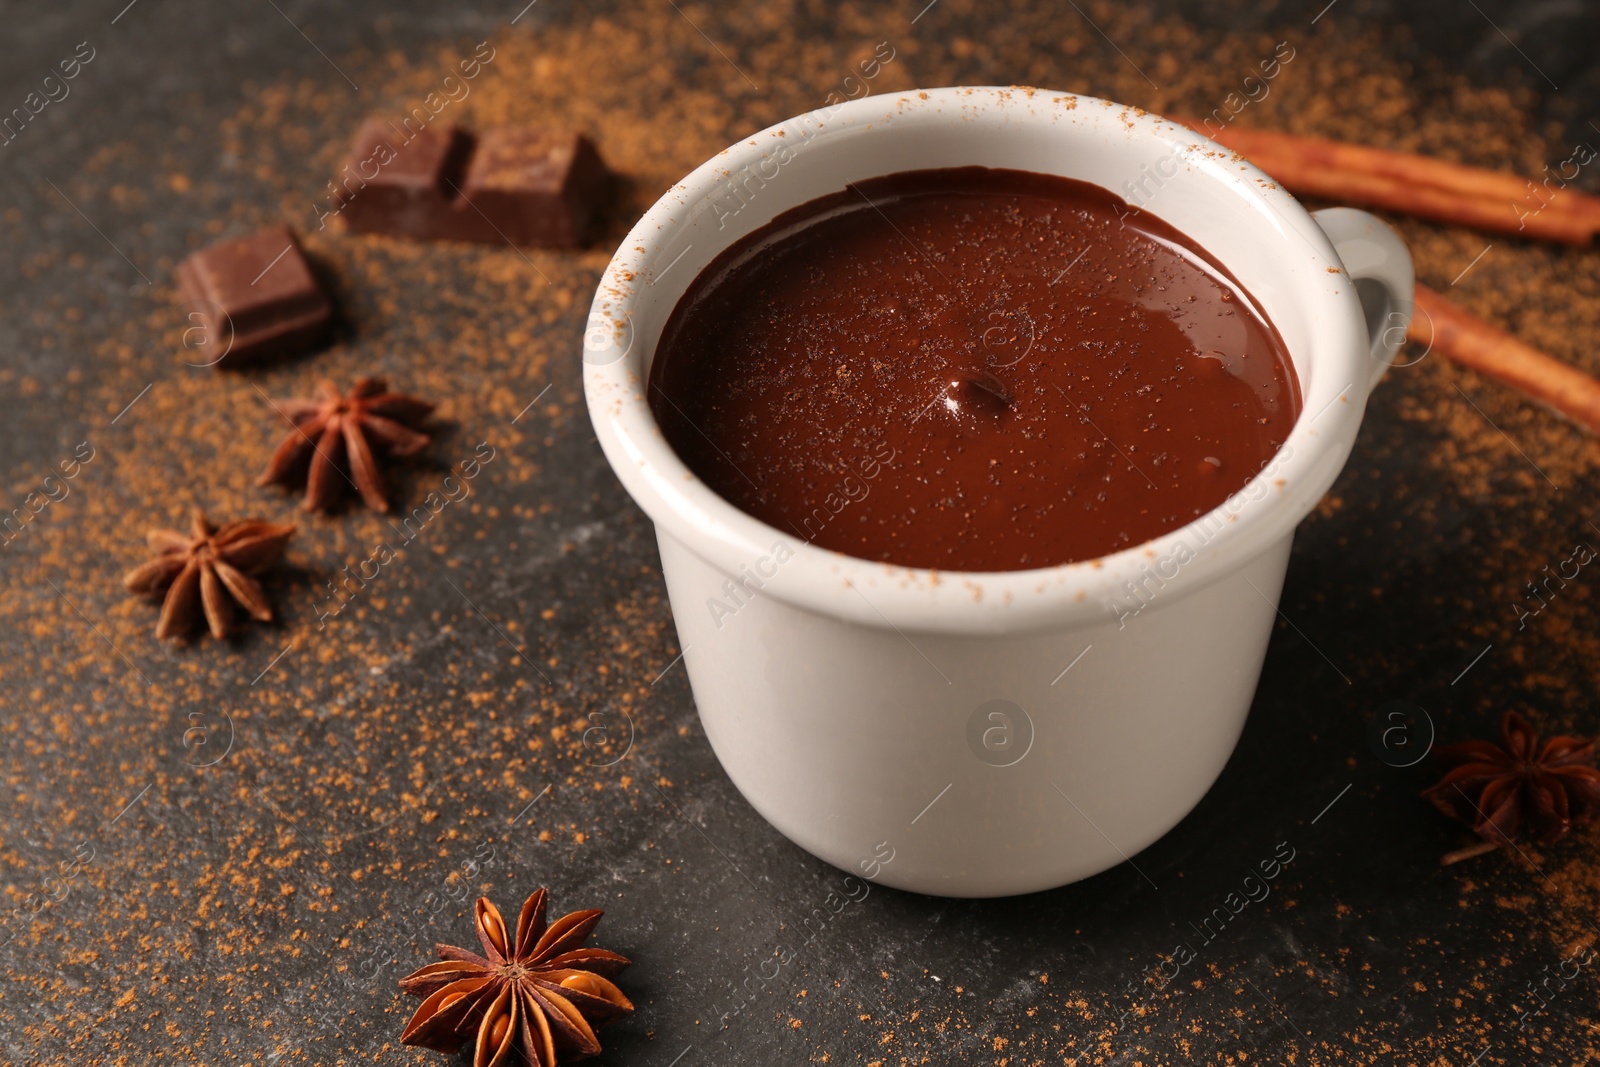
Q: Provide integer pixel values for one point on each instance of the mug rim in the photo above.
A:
(913, 599)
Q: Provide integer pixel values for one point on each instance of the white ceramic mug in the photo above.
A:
(975, 734)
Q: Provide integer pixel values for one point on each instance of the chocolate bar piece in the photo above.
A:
(536, 187)
(403, 193)
(252, 298)
(512, 185)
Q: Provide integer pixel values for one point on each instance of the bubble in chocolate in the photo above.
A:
(978, 393)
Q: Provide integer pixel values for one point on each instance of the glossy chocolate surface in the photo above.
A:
(971, 369)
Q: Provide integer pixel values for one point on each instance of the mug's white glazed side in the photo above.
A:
(994, 733)
(986, 765)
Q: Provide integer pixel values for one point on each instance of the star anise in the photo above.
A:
(527, 999)
(208, 571)
(338, 441)
(1496, 789)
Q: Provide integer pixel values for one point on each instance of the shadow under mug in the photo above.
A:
(971, 734)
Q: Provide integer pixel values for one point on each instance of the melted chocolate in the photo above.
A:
(971, 369)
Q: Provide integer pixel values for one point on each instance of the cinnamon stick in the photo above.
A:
(1407, 166)
(1424, 201)
(1461, 336)
(1429, 188)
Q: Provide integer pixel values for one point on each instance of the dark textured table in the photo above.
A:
(229, 852)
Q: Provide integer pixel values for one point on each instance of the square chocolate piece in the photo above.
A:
(517, 184)
(402, 189)
(253, 298)
(536, 187)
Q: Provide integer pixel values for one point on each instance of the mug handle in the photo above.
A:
(1380, 268)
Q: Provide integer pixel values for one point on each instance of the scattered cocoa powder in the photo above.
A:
(370, 749)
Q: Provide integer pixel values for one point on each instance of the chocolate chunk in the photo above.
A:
(512, 185)
(536, 187)
(404, 192)
(252, 298)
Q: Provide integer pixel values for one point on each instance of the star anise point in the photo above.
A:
(535, 995)
(1497, 789)
(336, 444)
(209, 572)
